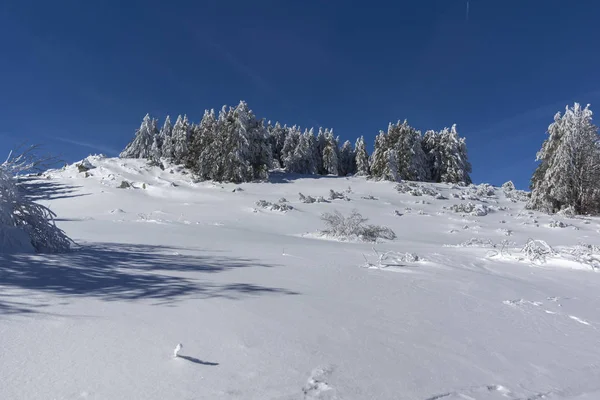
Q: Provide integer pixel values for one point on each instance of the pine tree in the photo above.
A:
(156, 149)
(379, 159)
(304, 154)
(202, 153)
(432, 149)
(361, 157)
(347, 159)
(141, 145)
(412, 162)
(261, 157)
(181, 135)
(569, 172)
(455, 166)
(277, 135)
(242, 142)
(166, 139)
(320, 148)
(288, 152)
(331, 154)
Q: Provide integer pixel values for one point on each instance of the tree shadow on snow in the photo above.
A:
(285, 177)
(122, 272)
(37, 189)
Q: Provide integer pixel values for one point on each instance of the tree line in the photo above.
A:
(236, 146)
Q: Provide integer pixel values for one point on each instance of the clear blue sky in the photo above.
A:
(78, 76)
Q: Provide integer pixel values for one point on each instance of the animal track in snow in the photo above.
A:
(522, 302)
(489, 391)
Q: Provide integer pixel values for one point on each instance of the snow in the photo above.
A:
(267, 312)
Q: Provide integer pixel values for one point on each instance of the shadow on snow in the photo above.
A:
(38, 189)
(120, 272)
(286, 177)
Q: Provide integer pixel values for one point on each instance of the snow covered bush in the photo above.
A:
(333, 195)
(353, 227)
(517, 195)
(485, 190)
(508, 186)
(569, 169)
(25, 225)
(281, 207)
(369, 197)
(557, 224)
(391, 259)
(478, 210)
(310, 199)
(537, 250)
(588, 254)
(568, 212)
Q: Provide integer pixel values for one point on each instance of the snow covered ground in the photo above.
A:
(266, 308)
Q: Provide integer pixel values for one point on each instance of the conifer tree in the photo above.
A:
(166, 139)
(361, 157)
(331, 154)
(347, 159)
(277, 135)
(455, 165)
(181, 134)
(569, 171)
(141, 145)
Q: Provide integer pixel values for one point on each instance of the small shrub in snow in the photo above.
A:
(237, 189)
(428, 191)
(353, 227)
(475, 242)
(321, 199)
(478, 210)
(557, 224)
(588, 254)
(415, 192)
(403, 187)
(282, 207)
(306, 199)
(508, 186)
(124, 185)
(440, 196)
(517, 195)
(369, 197)
(537, 250)
(397, 213)
(485, 190)
(568, 212)
(392, 259)
(457, 196)
(283, 200)
(333, 195)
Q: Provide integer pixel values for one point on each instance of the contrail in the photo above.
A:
(467, 15)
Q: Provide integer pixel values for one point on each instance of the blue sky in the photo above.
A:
(78, 76)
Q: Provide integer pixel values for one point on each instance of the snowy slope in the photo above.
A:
(268, 309)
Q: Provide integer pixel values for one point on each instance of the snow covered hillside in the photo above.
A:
(268, 307)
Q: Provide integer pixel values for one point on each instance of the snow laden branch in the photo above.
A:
(24, 224)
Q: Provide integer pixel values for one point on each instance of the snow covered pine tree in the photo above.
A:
(569, 171)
